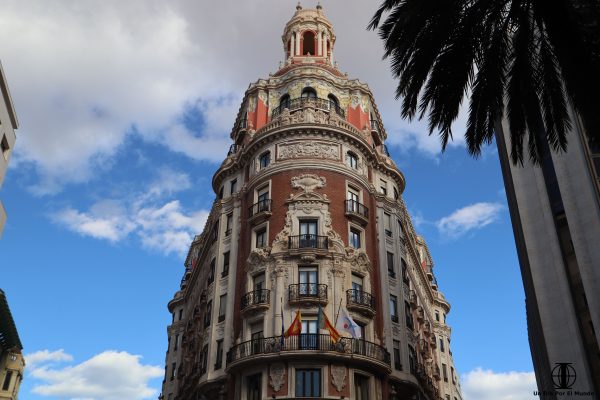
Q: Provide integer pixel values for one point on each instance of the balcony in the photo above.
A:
(413, 299)
(233, 149)
(360, 301)
(420, 313)
(311, 345)
(257, 300)
(303, 102)
(311, 244)
(308, 294)
(357, 211)
(260, 211)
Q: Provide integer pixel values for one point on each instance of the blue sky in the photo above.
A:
(123, 122)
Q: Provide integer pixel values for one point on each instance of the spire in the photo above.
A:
(298, 6)
(319, 6)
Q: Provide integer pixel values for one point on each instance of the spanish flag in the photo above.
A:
(296, 326)
(323, 323)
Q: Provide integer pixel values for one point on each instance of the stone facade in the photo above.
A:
(8, 124)
(555, 212)
(309, 213)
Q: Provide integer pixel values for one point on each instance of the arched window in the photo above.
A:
(333, 101)
(308, 46)
(309, 93)
(284, 102)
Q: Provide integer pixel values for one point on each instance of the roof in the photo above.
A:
(7, 99)
(9, 337)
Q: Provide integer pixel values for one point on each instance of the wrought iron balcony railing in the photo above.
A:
(308, 292)
(308, 342)
(360, 299)
(261, 297)
(308, 242)
(322, 104)
(354, 207)
(259, 207)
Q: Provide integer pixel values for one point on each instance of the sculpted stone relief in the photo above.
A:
(277, 376)
(338, 377)
(308, 149)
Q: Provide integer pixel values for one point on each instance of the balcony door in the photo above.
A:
(256, 337)
(308, 233)
(352, 196)
(309, 336)
(357, 288)
(259, 285)
(308, 279)
(361, 387)
(263, 200)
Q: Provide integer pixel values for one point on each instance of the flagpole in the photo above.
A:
(338, 313)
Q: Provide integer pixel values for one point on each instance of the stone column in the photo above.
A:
(320, 44)
(297, 43)
(292, 44)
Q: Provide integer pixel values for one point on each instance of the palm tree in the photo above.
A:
(529, 58)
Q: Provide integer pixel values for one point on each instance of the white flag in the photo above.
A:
(346, 324)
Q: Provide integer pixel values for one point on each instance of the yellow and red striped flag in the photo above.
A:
(296, 326)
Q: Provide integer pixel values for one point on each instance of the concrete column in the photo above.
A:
(297, 43)
(292, 44)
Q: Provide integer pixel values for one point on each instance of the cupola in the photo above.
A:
(308, 37)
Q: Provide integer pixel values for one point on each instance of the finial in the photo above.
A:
(319, 7)
(298, 7)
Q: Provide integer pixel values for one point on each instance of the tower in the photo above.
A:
(309, 216)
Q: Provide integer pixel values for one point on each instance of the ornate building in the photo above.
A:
(12, 363)
(8, 124)
(308, 214)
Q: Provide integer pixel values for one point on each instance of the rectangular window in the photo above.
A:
(399, 228)
(308, 383)
(412, 359)
(264, 160)
(442, 345)
(383, 187)
(409, 316)
(4, 147)
(7, 379)
(176, 345)
(263, 201)
(233, 186)
(361, 387)
(180, 314)
(452, 375)
(308, 281)
(204, 359)
(387, 224)
(308, 233)
(445, 372)
(354, 239)
(261, 238)
(211, 271)
(405, 278)
(352, 160)
(207, 316)
(222, 307)
(254, 385)
(394, 308)
(256, 336)
(225, 264)
(396, 194)
(173, 370)
(357, 283)
(390, 264)
(229, 224)
(397, 359)
(219, 361)
(437, 316)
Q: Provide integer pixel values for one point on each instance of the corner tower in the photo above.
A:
(309, 216)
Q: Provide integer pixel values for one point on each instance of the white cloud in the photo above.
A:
(45, 357)
(159, 224)
(94, 73)
(481, 384)
(110, 375)
(463, 220)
